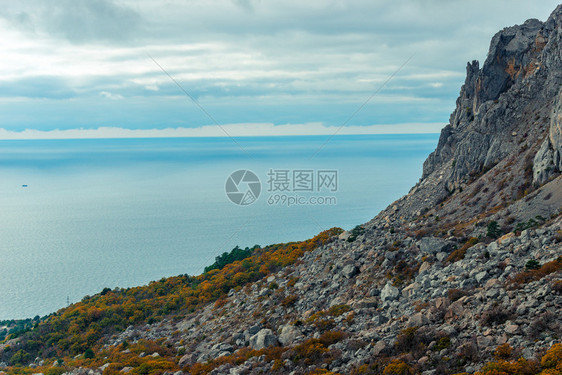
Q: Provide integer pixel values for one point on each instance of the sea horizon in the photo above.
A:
(80, 215)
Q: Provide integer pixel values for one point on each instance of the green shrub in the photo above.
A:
(534, 274)
(443, 343)
(531, 223)
(89, 354)
(226, 258)
(21, 357)
(493, 229)
(55, 371)
(355, 232)
(532, 264)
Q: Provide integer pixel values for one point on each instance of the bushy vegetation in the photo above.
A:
(308, 353)
(493, 229)
(15, 328)
(496, 315)
(532, 264)
(73, 330)
(531, 223)
(355, 232)
(230, 257)
(535, 271)
(324, 320)
(398, 367)
(460, 253)
(550, 364)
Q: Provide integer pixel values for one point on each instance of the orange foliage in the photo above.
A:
(503, 351)
(460, 252)
(398, 367)
(551, 364)
(72, 330)
(533, 275)
(553, 358)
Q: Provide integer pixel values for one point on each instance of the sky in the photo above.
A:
(140, 68)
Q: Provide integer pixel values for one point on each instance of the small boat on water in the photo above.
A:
(24, 186)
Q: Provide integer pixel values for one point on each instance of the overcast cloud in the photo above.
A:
(71, 64)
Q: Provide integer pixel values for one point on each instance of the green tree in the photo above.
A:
(21, 357)
(493, 229)
(532, 264)
(89, 354)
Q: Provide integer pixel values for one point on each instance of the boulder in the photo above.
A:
(379, 320)
(349, 271)
(379, 347)
(263, 339)
(366, 303)
(187, 359)
(104, 366)
(455, 311)
(511, 328)
(433, 245)
(344, 235)
(289, 335)
(424, 268)
(389, 292)
(417, 320)
(337, 301)
(481, 276)
(484, 342)
(410, 290)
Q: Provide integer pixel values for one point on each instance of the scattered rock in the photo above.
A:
(187, 359)
(417, 320)
(379, 347)
(289, 335)
(366, 303)
(263, 339)
(349, 271)
(389, 292)
(433, 245)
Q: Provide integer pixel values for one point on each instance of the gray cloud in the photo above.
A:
(252, 60)
(78, 21)
(90, 20)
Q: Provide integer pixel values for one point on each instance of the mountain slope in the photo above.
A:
(463, 274)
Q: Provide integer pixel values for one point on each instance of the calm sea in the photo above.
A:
(80, 215)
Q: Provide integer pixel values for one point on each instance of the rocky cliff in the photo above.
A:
(462, 275)
(511, 101)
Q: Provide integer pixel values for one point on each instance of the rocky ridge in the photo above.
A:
(469, 302)
(498, 160)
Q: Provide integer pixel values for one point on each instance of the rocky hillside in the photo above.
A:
(462, 275)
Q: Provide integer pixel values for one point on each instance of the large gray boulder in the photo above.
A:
(389, 292)
(289, 335)
(263, 339)
(187, 359)
(433, 245)
(349, 271)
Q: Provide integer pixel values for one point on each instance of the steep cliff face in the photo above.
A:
(548, 160)
(503, 140)
(504, 104)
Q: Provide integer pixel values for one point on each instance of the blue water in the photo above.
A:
(123, 212)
